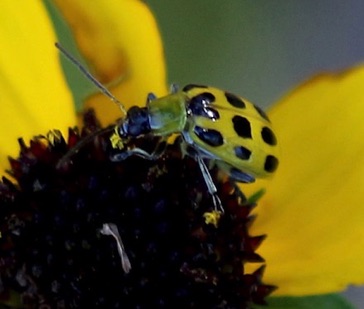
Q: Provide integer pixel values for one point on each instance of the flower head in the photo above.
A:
(57, 221)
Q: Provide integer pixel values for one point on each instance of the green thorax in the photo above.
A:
(168, 115)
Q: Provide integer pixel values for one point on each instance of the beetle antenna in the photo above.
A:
(90, 77)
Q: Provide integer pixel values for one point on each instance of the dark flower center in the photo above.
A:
(55, 252)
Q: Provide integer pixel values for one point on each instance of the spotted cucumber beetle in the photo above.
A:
(214, 126)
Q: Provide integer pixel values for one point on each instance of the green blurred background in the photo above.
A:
(260, 49)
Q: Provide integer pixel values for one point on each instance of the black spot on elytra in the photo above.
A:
(207, 112)
(201, 100)
(234, 100)
(191, 86)
(271, 164)
(199, 106)
(212, 113)
(242, 126)
(268, 136)
(261, 112)
(242, 152)
(204, 98)
(209, 136)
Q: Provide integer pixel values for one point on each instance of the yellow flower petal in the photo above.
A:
(34, 97)
(120, 40)
(313, 211)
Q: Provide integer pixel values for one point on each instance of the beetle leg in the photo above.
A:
(233, 173)
(190, 151)
(154, 155)
(173, 88)
(151, 97)
(209, 183)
